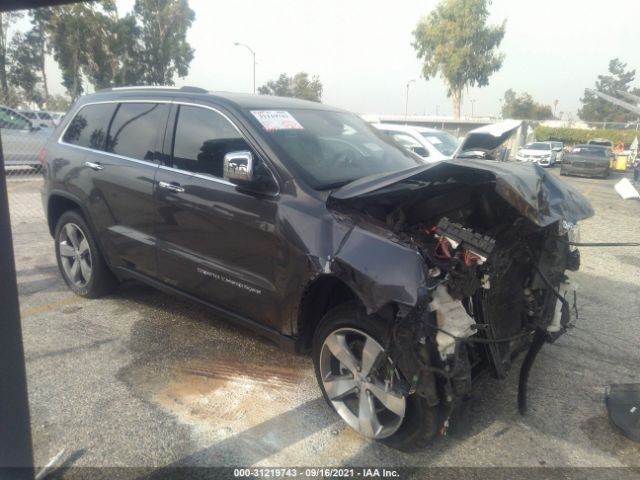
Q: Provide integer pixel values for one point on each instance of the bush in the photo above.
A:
(573, 136)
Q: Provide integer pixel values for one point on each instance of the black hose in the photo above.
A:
(610, 244)
(545, 280)
(536, 345)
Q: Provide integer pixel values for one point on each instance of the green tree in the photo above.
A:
(524, 107)
(164, 51)
(126, 42)
(595, 109)
(81, 41)
(455, 41)
(6, 20)
(41, 26)
(25, 56)
(298, 86)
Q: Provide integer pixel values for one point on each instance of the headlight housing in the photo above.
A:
(572, 231)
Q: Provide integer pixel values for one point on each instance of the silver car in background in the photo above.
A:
(428, 143)
(22, 140)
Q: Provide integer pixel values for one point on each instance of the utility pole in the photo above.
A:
(238, 44)
(406, 104)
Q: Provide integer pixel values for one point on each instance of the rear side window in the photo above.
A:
(89, 126)
(135, 129)
(202, 139)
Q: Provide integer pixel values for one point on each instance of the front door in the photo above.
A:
(215, 241)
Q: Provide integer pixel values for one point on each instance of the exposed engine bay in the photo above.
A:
(496, 281)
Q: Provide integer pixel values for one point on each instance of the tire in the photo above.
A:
(79, 259)
(419, 422)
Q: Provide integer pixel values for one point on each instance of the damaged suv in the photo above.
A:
(301, 221)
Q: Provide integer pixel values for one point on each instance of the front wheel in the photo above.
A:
(354, 373)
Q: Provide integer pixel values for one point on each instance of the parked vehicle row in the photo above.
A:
(43, 119)
(403, 279)
(22, 139)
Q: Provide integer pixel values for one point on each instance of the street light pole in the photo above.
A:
(406, 104)
(238, 44)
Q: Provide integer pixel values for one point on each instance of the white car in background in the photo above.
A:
(430, 144)
(40, 119)
(542, 153)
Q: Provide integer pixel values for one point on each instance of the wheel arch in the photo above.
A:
(60, 202)
(319, 296)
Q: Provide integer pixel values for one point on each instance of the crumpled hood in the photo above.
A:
(532, 191)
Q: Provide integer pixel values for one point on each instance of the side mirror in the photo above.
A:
(238, 166)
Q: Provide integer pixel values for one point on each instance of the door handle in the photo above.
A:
(94, 166)
(174, 187)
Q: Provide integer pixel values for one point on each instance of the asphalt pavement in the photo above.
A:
(143, 379)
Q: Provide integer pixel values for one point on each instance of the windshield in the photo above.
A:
(590, 151)
(445, 143)
(538, 146)
(329, 149)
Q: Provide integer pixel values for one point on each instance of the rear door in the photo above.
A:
(119, 169)
(215, 241)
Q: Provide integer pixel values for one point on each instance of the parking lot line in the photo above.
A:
(29, 311)
(587, 190)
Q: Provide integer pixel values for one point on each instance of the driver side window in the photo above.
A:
(202, 139)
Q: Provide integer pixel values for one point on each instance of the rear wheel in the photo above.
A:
(352, 370)
(79, 259)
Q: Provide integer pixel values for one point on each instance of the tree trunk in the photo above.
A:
(456, 97)
(44, 78)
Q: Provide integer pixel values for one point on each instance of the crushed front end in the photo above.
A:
(497, 256)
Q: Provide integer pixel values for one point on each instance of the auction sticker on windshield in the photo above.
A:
(273, 120)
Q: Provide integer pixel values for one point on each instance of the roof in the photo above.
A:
(232, 99)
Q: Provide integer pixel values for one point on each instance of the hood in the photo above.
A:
(488, 137)
(534, 193)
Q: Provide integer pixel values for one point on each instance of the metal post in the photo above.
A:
(238, 44)
(406, 104)
(16, 455)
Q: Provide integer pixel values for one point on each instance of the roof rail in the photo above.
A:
(155, 87)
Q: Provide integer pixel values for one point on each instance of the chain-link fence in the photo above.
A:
(31, 240)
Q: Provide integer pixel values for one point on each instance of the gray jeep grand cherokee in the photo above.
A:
(296, 219)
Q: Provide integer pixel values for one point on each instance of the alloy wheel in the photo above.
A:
(75, 254)
(353, 368)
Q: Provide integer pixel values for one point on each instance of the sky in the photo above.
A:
(361, 50)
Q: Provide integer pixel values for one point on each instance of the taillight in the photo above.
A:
(43, 155)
